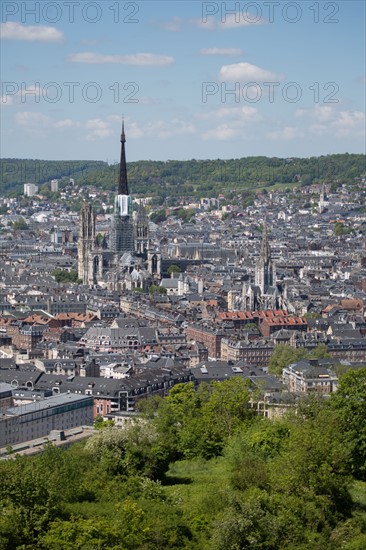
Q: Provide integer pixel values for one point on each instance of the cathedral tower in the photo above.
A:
(86, 246)
(122, 234)
(142, 231)
(265, 270)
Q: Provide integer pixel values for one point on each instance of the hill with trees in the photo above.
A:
(14, 173)
(196, 178)
(200, 472)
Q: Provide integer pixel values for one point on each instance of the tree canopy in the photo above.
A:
(283, 355)
(199, 470)
(196, 178)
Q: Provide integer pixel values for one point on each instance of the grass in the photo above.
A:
(358, 494)
(199, 487)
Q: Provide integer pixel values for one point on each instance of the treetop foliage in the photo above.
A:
(199, 178)
(198, 470)
(283, 355)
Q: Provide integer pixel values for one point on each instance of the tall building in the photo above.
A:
(30, 189)
(122, 231)
(54, 186)
(141, 231)
(265, 269)
(86, 246)
(322, 200)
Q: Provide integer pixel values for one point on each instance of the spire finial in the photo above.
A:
(123, 137)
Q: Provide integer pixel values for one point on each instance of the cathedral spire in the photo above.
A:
(122, 182)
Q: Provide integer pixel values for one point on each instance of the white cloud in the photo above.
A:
(31, 93)
(67, 123)
(209, 25)
(287, 133)
(239, 19)
(164, 129)
(139, 59)
(223, 132)
(33, 33)
(221, 51)
(6, 101)
(98, 128)
(135, 131)
(245, 114)
(318, 129)
(38, 125)
(235, 122)
(251, 113)
(32, 120)
(321, 113)
(159, 128)
(247, 72)
(229, 21)
(174, 25)
(349, 122)
(328, 119)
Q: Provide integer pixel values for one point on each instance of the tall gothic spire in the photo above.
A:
(122, 182)
(265, 248)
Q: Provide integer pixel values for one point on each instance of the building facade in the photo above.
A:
(38, 419)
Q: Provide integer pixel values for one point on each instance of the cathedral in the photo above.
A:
(127, 261)
(264, 294)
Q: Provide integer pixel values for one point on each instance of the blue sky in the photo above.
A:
(192, 79)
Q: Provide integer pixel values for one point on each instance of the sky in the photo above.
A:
(192, 79)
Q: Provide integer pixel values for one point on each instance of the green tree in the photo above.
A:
(20, 225)
(282, 356)
(99, 239)
(125, 531)
(100, 424)
(153, 289)
(32, 492)
(339, 229)
(320, 352)
(228, 406)
(64, 276)
(350, 403)
(134, 450)
(173, 269)
(315, 461)
(158, 217)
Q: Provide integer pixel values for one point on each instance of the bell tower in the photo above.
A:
(265, 269)
(86, 246)
(142, 231)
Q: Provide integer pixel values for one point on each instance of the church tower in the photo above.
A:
(141, 231)
(122, 233)
(86, 246)
(265, 270)
(321, 205)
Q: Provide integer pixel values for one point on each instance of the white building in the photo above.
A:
(54, 186)
(30, 189)
(38, 419)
